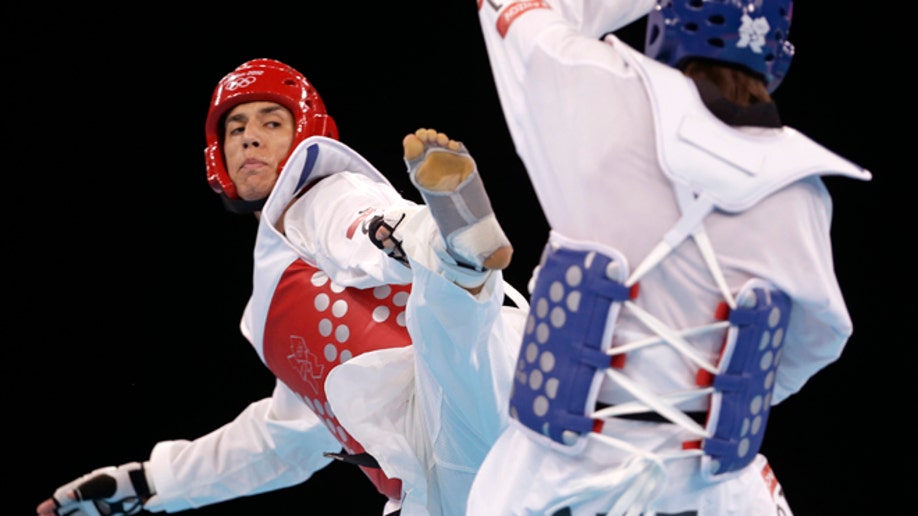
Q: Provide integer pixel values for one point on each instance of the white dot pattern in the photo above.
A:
(339, 309)
(574, 276)
(558, 317)
(561, 351)
(540, 407)
(319, 279)
(535, 380)
(547, 361)
(301, 346)
(573, 301)
(532, 352)
(551, 388)
(380, 313)
(556, 292)
(325, 327)
(382, 291)
(753, 367)
(342, 332)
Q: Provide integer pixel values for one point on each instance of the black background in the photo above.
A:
(128, 278)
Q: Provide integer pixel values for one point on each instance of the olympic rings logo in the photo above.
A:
(240, 82)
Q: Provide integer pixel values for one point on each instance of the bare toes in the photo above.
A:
(413, 145)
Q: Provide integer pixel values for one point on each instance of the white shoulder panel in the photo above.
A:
(733, 168)
(314, 158)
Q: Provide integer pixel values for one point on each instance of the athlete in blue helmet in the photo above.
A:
(688, 282)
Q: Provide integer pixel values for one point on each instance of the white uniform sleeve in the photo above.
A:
(327, 225)
(799, 218)
(274, 443)
(595, 18)
(542, 63)
(515, 31)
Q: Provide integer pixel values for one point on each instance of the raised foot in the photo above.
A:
(440, 171)
(445, 174)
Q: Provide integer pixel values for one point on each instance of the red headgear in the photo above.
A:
(262, 80)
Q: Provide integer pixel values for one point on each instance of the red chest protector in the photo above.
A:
(314, 325)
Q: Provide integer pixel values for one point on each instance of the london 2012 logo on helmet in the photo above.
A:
(240, 82)
(752, 33)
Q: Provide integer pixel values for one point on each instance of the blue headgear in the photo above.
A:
(749, 33)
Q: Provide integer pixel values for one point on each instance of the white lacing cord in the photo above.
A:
(694, 210)
(638, 407)
(658, 403)
(693, 214)
(645, 473)
(642, 478)
(707, 252)
(646, 484)
(672, 337)
(656, 339)
(685, 198)
(691, 223)
(663, 404)
(516, 296)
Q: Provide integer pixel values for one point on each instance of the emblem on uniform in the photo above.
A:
(305, 362)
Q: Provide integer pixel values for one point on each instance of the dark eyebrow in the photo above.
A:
(239, 117)
(270, 109)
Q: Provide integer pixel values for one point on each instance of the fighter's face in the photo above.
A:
(257, 138)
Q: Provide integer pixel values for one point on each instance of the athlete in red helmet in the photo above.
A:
(691, 228)
(269, 81)
(400, 366)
